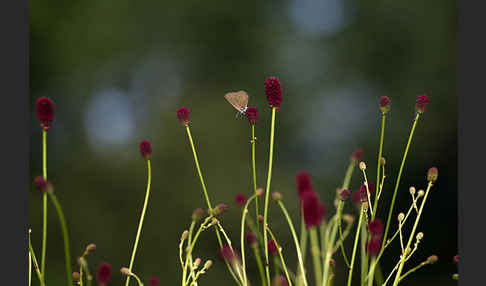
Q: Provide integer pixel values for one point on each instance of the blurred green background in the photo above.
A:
(119, 70)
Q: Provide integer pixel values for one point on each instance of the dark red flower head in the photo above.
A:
(250, 238)
(303, 182)
(41, 184)
(227, 254)
(183, 115)
(373, 247)
(272, 248)
(421, 103)
(104, 273)
(456, 259)
(384, 104)
(273, 90)
(45, 112)
(154, 281)
(363, 191)
(252, 115)
(344, 194)
(146, 149)
(375, 227)
(357, 154)
(240, 199)
(314, 212)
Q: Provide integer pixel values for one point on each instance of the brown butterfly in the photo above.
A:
(239, 100)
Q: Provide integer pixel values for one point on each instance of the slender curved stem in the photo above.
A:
(189, 240)
(81, 276)
(413, 270)
(375, 206)
(197, 167)
(30, 261)
(65, 236)
(340, 209)
(242, 238)
(267, 195)
(36, 265)
(140, 224)
(136, 278)
(355, 245)
(253, 163)
(296, 241)
(44, 203)
(208, 202)
(385, 235)
(402, 262)
(282, 261)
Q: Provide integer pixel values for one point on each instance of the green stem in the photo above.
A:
(413, 270)
(316, 255)
(340, 209)
(267, 195)
(253, 161)
(385, 235)
(296, 242)
(332, 240)
(355, 245)
(36, 265)
(402, 261)
(44, 203)
(189, 240)
(375, 206)
(197, 167)
(81, 276)
(370, 280)
(242, 238)
(364, 256)
(259, 264)
(303, 247)
(191, 247)
(208, 202)
(279, 249)
(136, 278)
(140, 224)
(65, 237)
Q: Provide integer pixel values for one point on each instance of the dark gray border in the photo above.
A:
(14, 28)
(471, 143)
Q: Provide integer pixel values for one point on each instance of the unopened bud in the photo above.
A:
(401, 216)
(197, 262)
(432, 174)
(208, 264)
(344, 194)
(412, 190)
(219, 209)
(76, 276)
(184, 235)
(125, 271)
(383, 161)
(455, 276)
(432, 259)
(420, 235)
(90, 248)
(197, 214)
(362, 166)
(332, 262)
(421, 193)
(259, 191)
(276, 196)
(260, 218)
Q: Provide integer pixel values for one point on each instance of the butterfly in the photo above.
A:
(239, 100)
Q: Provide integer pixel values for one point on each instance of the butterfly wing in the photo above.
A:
(238, 99)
